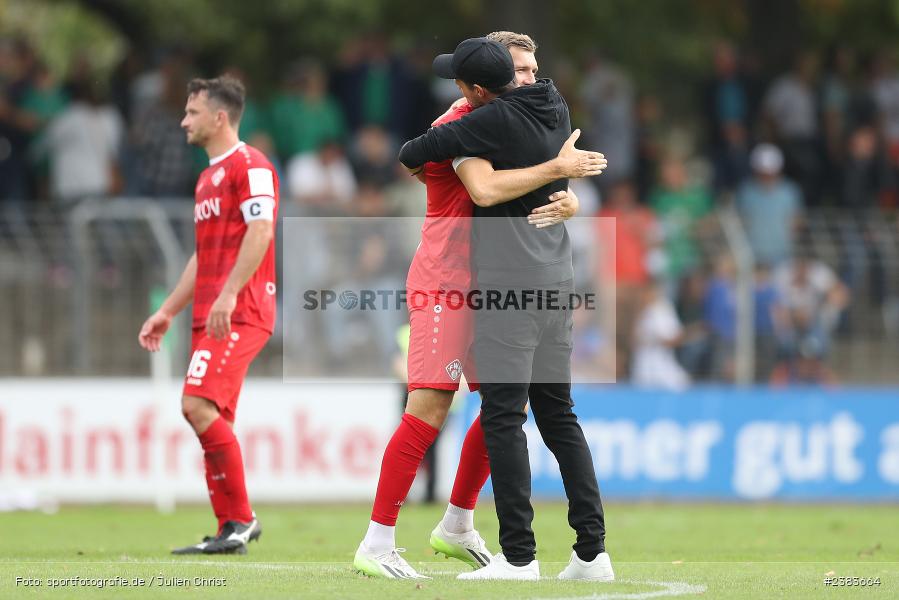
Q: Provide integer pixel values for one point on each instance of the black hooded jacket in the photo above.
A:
(521, 128)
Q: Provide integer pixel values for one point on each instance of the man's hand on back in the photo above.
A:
(562, 206)
(574, 163)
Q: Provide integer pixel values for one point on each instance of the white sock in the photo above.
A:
(458, 520)
(379, 538)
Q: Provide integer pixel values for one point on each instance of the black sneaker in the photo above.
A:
(196, 548)
(234, 538)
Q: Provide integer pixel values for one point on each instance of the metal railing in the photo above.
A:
(128, 213)
(744, 367)
(76, 285)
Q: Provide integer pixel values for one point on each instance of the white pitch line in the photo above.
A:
(669, 589)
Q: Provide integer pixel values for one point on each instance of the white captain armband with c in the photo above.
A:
(261, 204)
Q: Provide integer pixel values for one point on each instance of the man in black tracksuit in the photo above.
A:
(525, 353)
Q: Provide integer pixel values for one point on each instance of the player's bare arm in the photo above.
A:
(489, 187)
(155, 327)
(252, 249)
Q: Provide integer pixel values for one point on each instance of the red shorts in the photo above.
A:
(440, 343)
(218, 367)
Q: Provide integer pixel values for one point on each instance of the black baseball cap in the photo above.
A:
(477, 61)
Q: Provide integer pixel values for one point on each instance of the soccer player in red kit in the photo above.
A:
(231, 281)
(439, 351)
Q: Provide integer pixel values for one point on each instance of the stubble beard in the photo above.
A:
(195, 139)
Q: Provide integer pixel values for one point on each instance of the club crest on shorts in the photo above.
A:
(454, 369)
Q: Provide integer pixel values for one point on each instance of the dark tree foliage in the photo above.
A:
(661, 42)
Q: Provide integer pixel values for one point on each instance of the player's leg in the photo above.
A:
(200, 413)
(224, 474)
(434, 369)
(224, 478)
(240, 349)
(562, 434)
(471, 475)
(504, 349)
(560, 430)
(425, 413)
(212, 388)
(455, 535)
(432, 468)
(222, 451)
(474, 464)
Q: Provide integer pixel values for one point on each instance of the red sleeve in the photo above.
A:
(256, 190)
(254, 181)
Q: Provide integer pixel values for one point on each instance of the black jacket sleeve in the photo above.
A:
(476, 134)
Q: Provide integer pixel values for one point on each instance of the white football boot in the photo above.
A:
(598, 569)
(388, 565)
(499, 568)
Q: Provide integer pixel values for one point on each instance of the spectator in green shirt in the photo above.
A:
(44, 98)
(303, 117)
(680, 207)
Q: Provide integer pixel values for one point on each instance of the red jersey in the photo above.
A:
(238, 187)
(442, 260)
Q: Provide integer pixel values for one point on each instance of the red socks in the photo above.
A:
(217, 494)
(474, 468)
(224, 473)
(404, 454)
(402, 457)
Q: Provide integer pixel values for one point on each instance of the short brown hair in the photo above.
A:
(226, 91)
(510, 38)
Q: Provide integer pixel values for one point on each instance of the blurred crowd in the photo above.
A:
(822, 132)
(333, 133)
(817, 135)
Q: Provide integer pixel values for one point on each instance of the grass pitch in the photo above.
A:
(657, 550)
